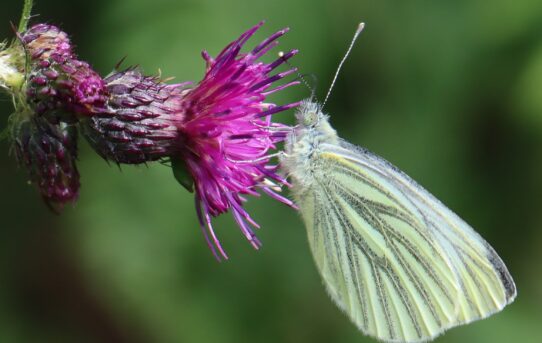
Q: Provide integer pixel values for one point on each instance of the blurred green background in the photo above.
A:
(449, 91)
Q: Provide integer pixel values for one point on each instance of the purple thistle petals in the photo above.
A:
(270, 173)
(276, 109)
(246, 35)
(283, 58)
(240, 210)
(227, 133)
(249, 234)
(244, 136)
(281, 87)
(204, 226)
(264, 51)
(280, 198)
(240, 215)
(265, 83)
(212, 231)
(270, 41)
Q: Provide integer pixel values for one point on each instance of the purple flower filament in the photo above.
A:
(227, 134)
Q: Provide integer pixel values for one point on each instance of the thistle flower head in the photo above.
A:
(59, 84)
(220, 132)
(138, 123)
(226, 133)
(49, 153)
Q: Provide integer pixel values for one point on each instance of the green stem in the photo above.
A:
(25, 17)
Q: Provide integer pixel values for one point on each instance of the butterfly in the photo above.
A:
(398, 262)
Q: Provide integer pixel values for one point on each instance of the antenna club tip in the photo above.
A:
(361, 26)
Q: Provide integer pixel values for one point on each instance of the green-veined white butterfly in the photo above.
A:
(401, 265)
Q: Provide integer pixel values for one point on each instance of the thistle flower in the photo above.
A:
(48, 151)
(220, 133)
(59, 85)
(226, 133)
(217, 135)
(138, 123)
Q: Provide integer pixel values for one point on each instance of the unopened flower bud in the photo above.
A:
(139, 123)
(59, 84)
(49, 153)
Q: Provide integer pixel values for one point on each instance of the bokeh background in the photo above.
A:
(449, 91)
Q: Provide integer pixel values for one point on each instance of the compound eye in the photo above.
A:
(310, 118)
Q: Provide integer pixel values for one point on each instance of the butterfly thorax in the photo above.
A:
(304, 145)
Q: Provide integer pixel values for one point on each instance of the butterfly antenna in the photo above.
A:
(358, 31)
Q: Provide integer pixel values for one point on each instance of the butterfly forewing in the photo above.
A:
(397, 261)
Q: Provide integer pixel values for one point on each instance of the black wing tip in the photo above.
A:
(506, 279)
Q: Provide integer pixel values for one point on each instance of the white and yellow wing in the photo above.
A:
(402, 266)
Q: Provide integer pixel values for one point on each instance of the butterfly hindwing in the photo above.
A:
(486, 285)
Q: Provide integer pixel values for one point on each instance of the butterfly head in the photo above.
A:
(309, 114)
(313, 124)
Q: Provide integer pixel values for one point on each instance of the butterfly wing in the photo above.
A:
(396, 260)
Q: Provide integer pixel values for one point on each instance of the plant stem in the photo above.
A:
(25, 16)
